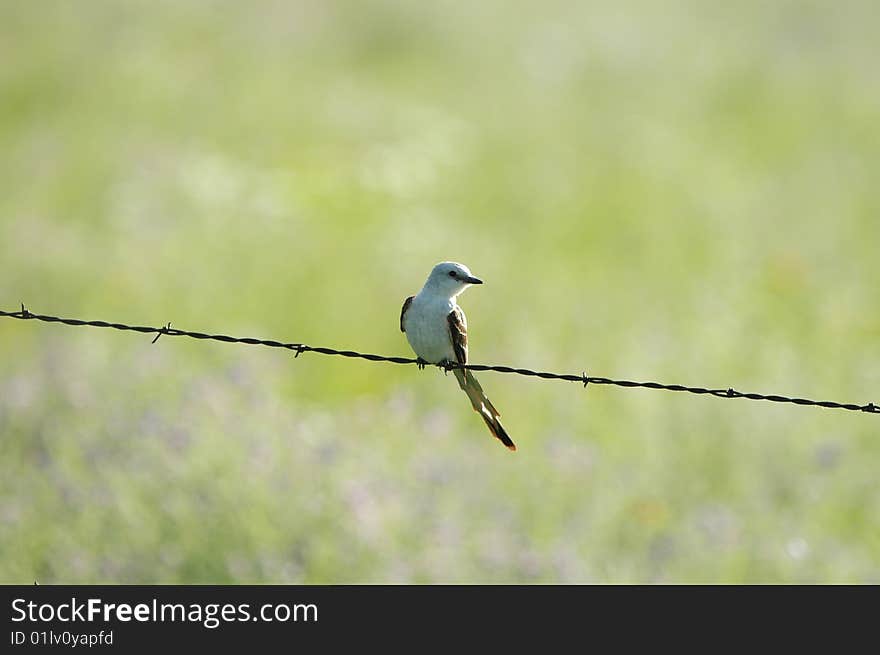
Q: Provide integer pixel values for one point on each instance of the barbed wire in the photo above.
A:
(299, 348)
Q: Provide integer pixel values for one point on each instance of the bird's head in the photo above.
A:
(450, 278)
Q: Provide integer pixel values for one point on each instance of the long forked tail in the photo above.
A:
(482, 406)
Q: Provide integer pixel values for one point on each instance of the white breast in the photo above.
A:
(427, 329)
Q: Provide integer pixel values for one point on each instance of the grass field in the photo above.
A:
(686, 195)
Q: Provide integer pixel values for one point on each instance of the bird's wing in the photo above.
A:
(458, 333)
(468, 383)
(406, 304)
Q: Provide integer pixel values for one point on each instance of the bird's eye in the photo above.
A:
(453, 274)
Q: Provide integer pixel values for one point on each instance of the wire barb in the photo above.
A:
(160, 332)
(447, 365)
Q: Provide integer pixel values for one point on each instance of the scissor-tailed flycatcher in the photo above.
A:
(436, 328)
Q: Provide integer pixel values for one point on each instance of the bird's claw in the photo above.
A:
(421, 363)
(446, 365)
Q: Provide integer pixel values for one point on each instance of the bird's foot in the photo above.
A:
(446, 365)
(421, 363)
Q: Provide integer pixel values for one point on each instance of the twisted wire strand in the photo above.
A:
(300, 348)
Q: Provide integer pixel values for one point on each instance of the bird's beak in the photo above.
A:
(473, 280)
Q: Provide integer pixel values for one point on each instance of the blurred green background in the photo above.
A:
(680, 193)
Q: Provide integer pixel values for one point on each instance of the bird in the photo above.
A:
(436, 329)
